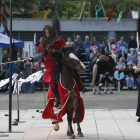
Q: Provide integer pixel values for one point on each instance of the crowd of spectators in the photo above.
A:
(127, 54)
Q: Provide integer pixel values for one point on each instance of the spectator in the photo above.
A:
(131, 57)
(129, 77)
(137, 78)
(113, 46)
(14, 68)
(138, 58)
(27, 67)
(78, 45)
(133, 44)
(94, 55)
(96, 43)
(121, 47)
(133, 65)
(2, 73)
(5, 58)
(121, 76)
(20, 65)
(86, 46)
(69, 41)
(38, 64)
(33, 68)
(37, 44)
(105, 46)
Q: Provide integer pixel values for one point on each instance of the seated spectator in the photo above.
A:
(131, 57)
(129, 78)
(113, 45)
(86, 46)
(94, 55)
(133, 44)
(5, 57)
(121, 76)
(14, 69)
(78, 45)
(138, 58)
(121, 47)
(69, 41)
(105, 45)
(68, 45)
(33, 68)
(133, 65)
(38, 64)
(2, 73)
(96, 43)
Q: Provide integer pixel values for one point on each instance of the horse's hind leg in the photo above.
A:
(75, 104)
(69, 118)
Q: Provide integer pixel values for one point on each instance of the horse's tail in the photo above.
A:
(94, 73)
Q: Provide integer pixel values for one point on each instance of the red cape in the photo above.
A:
(56, 114)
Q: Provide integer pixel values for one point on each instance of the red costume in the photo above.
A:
(50, 65)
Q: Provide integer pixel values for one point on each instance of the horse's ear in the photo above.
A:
(72, 46)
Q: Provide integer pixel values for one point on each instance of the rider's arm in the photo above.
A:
(37, 56)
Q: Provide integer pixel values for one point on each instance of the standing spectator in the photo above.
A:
(69, 41)
(94, 55)
(33, 68)
(27, 67)
(86, 46)
(105, 46)
(5, 57)
(129, 77)
(138, 58)
(37, 44)
(131, 57)
(113, 46)
(121, 47)
(20, 65)
(96, 43)
(133, 44)
(38, 64)
(78, 45)
(121, 76)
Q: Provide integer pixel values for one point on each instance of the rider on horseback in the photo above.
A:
(51, 43)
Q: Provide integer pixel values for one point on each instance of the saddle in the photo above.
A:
(106, 58)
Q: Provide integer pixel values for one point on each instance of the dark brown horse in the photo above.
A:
(68, 61)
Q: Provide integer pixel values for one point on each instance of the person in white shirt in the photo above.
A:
(69, 42)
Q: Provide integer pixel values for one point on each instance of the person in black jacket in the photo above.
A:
(133, 44)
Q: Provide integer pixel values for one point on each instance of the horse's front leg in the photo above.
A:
(75, 104)
(70, 130)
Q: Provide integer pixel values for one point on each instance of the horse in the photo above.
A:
(103, 69)
(67, 62)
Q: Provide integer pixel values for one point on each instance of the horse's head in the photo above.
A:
(70, 58)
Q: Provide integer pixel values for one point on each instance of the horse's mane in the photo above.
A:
(57, 57)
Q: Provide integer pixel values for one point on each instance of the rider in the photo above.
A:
(51, 43)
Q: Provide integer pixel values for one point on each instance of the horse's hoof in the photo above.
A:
(72, 136)
(80, 135)
(69, 134)
(111, 91)
(105, 91)
(56, 127)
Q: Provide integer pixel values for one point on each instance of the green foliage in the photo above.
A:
(67, 8)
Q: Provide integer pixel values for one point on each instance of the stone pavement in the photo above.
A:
(98, 124)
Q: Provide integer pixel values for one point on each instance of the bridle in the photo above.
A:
(66, 57)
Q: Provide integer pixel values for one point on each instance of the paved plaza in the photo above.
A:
(107, 117)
